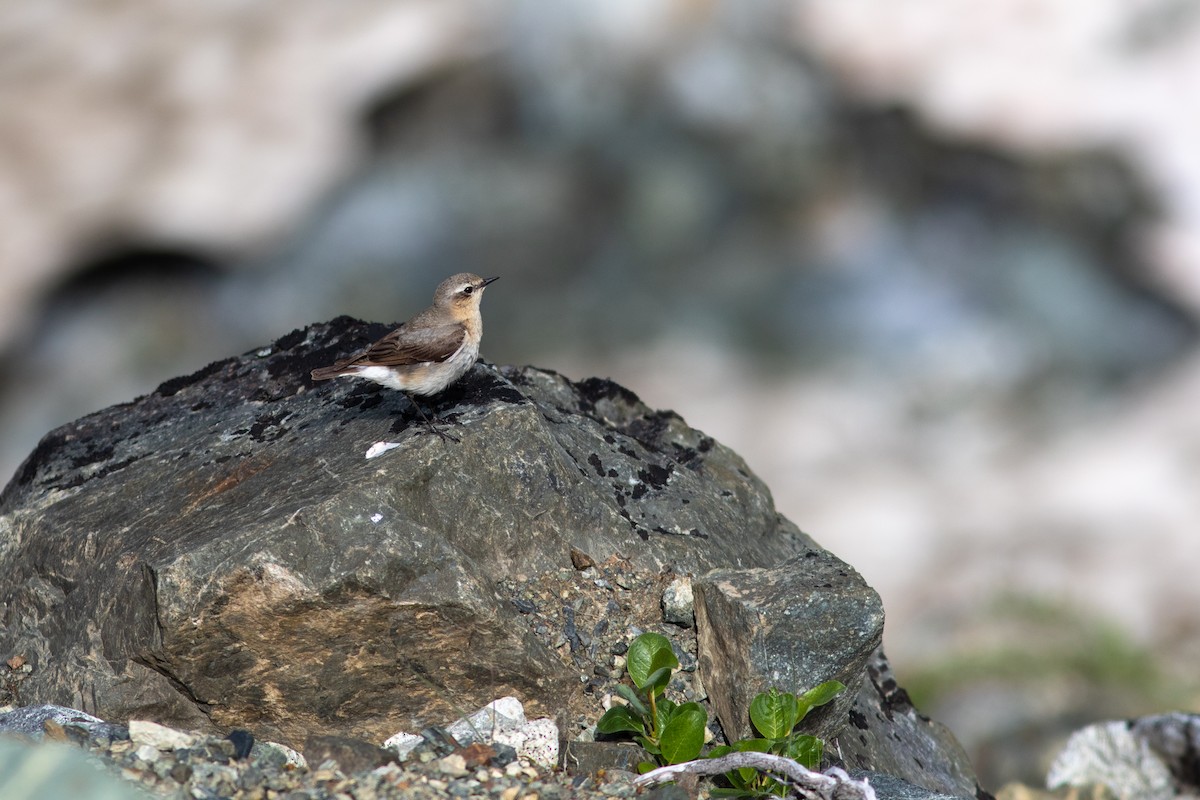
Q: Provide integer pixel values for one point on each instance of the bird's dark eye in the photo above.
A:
(468, 289)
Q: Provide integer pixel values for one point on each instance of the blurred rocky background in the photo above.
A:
(932, 267)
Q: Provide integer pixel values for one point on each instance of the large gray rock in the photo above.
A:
(222, 553)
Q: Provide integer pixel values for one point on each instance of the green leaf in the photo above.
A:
(648, 745)
(683, 737)
(818, 696)
(752, 745)
(643, 653)
(805, 750)
(737, 780)
(657, 681)
(646, 766)
(619, 719)
(662, 714)
(746, 775)
(634, 701)
(774, 713)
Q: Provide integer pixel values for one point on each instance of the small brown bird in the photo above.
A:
(429, 352)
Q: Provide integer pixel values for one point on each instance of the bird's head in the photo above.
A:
(461, 293)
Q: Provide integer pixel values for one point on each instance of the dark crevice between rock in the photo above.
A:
(154, 663)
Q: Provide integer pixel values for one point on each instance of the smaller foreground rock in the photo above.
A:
(1151, 758)
(782, 628)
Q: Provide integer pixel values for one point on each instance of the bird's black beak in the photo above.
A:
(486, 281)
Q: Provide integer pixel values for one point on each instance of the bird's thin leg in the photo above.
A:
(429, 423)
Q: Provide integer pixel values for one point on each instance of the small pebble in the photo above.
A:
(453, 765)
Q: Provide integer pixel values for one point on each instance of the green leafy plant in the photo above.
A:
(775, 715)
(672, 733)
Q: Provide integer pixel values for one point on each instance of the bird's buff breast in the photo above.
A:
(430, 377)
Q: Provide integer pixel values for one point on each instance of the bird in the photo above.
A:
(427, 353)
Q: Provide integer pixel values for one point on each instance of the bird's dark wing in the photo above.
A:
(406, 345)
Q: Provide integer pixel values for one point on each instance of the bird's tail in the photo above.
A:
(325, 373)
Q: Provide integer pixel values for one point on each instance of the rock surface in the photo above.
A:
(888, 787)
(885, 733)
(31, 721)
(221, 553)
(760, 628)
(782, 627)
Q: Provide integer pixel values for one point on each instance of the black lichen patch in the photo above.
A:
(858, 719)
(333, 340)
(694, 533)
(175, 385)
(91, 456)
(405, 420)
(595, 390)
(687, 457)
(656, 477)
(371, 400)
(364, 396)
(288, 341)
(482, 384)
(69, 456)
(649, 428)
(521, 377)
(79, 478)
(43, 454)
(597, 464)
(269, 426)
(272, 392)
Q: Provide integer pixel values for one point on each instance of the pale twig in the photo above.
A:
(833, 784)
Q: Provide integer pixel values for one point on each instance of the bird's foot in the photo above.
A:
(445, 436)
(432, 427)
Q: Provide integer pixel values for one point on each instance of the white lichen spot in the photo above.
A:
(376, 517)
